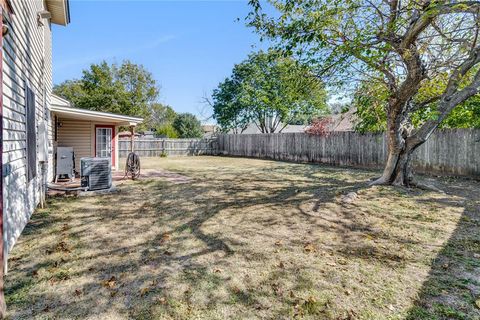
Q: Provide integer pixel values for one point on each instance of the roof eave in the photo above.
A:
(60, 11)
(119, 119)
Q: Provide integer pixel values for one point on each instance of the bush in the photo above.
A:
(167, 130)
(320, 127)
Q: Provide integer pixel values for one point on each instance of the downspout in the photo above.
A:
(3, 307)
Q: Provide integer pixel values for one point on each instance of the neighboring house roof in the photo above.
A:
(60, 11)
(128, 134)
(209, 128)
(294, 128)
(252, 129)
(343, 121)
(63, 107)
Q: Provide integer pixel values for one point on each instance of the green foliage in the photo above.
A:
(399, 52)
(127, 89)
(269, 90)
(160, 120)
(166, 130)
(187, 126)
(370, 101)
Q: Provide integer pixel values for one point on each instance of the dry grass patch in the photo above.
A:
(249, 239)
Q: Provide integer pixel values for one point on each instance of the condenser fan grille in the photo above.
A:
(96, 173)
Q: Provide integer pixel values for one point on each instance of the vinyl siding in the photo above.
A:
(26, 57)
(78, 135)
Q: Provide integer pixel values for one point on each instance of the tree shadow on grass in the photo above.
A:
(453, 283)
(128, 249)
(128, 274)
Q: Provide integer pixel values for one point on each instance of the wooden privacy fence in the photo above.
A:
(449, 152)
(169, 147)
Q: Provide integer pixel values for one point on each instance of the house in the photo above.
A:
(209, 130)
(89, 133)
(252, 128)
(26, 71)
(343, 121)
(127, 135)
(34, 121)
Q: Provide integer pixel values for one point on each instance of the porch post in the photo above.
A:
(132, 138)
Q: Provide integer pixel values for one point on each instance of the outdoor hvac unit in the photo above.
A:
(96, 173)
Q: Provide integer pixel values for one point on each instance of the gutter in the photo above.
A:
(67, 9)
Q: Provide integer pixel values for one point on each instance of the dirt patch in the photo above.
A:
(249, 239)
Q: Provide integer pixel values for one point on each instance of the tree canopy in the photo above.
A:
(270, 91)
(127, 89)
(371, 101)
(187, 126)
(407, 46)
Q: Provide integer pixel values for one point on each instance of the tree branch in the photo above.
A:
(430, 13)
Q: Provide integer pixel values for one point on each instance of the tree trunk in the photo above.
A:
(398, 169)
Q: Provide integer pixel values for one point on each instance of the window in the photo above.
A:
(104, 142)
(31, 133)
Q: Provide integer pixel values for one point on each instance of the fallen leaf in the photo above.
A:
(165, 237)
(63, 247)
(236, 290)
(308, 247)
(110, 283)
(144, 291)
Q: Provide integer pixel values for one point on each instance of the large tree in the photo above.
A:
(127, 89)
(161, 120)
(270, 91)
(404, 44)
(187, 126)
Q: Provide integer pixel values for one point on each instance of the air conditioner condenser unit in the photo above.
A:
(96, 173)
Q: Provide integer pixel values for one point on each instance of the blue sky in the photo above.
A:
(189, 46)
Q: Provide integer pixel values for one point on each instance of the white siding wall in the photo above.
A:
(26, 57)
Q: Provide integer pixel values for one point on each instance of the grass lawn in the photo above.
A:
(246, 239)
